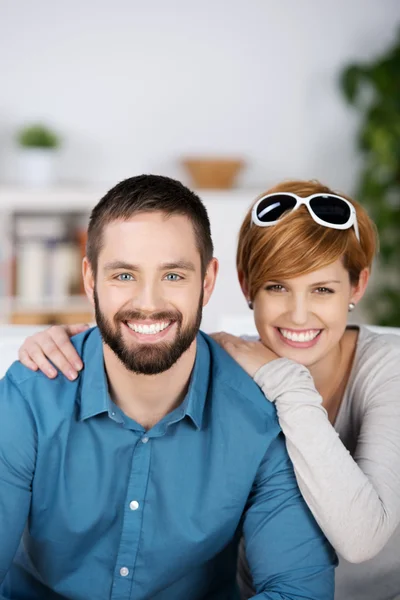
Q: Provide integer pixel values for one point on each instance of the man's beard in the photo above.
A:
(147, 359)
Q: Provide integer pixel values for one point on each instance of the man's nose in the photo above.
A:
(148, 298)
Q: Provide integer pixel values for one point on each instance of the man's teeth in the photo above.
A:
(304, 336)
(149, 329)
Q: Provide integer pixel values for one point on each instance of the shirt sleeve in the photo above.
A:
(356, 501)
(288, 555)
(17, 464)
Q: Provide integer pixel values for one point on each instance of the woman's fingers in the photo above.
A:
(26, 360)
(31, 355)
(60, 336)
(53, 345)
(77, 328)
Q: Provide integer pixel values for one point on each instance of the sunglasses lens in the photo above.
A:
(273, 207)
(330, 209)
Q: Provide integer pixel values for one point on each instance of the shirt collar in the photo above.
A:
(194, 402)
(95, 398)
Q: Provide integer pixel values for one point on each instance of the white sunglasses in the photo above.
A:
(327, 210)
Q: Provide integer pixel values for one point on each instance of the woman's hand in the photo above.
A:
(53, 344)
(251, 356)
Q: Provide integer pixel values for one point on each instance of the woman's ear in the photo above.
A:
(358, 290)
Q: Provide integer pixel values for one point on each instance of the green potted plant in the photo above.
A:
(38, 149)
(373, 88)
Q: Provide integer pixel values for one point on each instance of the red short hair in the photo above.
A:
(297, 245)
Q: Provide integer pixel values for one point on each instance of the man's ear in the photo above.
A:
(88, 279)
(209, 280)
(358, 290)
(244, 285)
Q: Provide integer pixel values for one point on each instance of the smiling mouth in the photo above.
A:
(148, 329)
(307, 335)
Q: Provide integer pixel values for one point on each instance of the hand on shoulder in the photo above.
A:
(53, 344)
(250, 355)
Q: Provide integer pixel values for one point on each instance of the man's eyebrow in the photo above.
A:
(185, 265)
(120, 264)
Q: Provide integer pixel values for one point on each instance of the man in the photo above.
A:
(136, 480)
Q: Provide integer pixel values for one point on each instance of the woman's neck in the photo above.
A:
(331, 374)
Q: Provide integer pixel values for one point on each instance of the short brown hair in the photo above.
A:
(297, 245)
(149, 193)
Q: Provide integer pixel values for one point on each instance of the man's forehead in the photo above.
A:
(150, 238)
(144, 228)
(152, 218)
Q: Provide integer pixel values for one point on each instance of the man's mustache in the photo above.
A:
(142, 316)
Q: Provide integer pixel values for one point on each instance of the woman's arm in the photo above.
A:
(356, 501)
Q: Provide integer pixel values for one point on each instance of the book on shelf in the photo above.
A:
(47, 256)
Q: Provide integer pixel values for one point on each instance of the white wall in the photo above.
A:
(133, 85)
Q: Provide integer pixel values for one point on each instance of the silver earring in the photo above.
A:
(250, 305)
(351, 306)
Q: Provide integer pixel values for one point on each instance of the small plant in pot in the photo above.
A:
(38, 145)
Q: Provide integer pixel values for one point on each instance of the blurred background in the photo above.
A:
(230, 98)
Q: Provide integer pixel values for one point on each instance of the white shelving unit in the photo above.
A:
(226, 210)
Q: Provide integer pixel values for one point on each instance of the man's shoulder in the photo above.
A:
(20, 374)
(40, 395)
(36, 388)
(235, 387)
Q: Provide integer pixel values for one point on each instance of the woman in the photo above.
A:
(302, 265)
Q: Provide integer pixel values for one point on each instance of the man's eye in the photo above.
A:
(125, 277)
(173, 277)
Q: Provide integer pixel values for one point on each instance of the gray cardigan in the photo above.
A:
(348, 474)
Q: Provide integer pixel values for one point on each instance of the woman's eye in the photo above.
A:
(125, 277)
(324, 290)
(275, 288)
(173, 277)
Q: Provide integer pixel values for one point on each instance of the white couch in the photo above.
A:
(12, 336)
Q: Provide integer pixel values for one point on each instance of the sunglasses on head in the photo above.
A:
(327, 210)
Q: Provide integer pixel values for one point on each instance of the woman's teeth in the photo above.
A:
(304, 336)
(148, 329)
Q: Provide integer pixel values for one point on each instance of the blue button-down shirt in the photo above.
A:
(108, 510)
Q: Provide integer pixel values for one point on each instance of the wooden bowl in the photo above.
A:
(214, 173)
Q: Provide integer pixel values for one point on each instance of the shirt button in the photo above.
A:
(145, 439)
(134, 505)
(124, 572)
